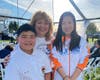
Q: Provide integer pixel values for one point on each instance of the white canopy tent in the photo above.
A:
(84, 10)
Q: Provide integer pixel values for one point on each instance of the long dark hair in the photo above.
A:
(75, 38)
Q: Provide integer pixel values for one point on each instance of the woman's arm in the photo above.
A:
(62, 73)
(79, 68)
(83, 59)
(58, 67)
(76, 74)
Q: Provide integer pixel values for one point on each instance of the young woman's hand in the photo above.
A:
(66, 78)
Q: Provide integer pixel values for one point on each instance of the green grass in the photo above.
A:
(7, 41)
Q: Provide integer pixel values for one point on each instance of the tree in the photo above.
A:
(91, 29)
(13, 26)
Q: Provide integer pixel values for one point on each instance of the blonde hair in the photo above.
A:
(44, 16)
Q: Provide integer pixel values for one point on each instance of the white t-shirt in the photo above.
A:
(41, 44)
(76, 56)
(27, 67)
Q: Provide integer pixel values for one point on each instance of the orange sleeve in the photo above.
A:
(56, 63)
(84, 64)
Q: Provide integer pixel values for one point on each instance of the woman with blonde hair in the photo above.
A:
(44, 29)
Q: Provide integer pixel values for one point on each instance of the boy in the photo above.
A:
(27, 63)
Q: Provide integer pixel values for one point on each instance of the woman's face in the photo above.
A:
(67, 25)
(42, 27)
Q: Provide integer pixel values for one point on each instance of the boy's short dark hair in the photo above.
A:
(25, 27)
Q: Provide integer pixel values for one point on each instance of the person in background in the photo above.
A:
(95, 50)
(44, 38)
(5, 54)
(70, 48)
(27, 63)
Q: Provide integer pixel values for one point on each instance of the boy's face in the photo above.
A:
(26, 41)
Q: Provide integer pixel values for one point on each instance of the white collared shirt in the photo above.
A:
(27, 67)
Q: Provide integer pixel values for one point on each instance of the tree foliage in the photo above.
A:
(13, 26)
(91, 29)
